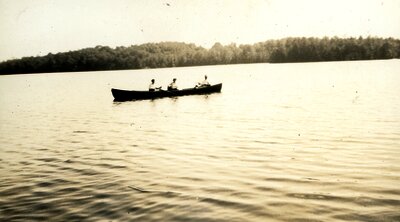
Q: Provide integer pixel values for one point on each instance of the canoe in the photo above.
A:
(126, 95)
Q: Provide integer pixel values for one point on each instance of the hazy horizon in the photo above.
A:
(207, 47)
(47, 26)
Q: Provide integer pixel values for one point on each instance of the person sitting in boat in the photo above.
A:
(152, 86)
(204, 83)
(172, 85)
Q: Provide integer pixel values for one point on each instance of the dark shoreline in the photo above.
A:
(33, 73)
(176, 54)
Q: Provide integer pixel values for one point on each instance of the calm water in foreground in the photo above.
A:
(282, 142)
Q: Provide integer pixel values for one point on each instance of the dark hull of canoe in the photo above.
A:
(126, 95)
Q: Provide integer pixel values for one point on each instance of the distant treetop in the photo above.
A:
(176, 54)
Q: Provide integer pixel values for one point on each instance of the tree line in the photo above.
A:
(177, 54)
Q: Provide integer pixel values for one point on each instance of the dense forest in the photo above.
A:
(175, 54)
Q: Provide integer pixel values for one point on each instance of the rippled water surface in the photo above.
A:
(281, 142)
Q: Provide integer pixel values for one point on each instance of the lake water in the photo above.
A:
(281, 142)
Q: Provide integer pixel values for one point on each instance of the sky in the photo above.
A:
(39, 27)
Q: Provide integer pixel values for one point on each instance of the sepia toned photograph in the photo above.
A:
(200, 110)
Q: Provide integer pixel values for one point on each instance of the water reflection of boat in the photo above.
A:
(126, 95)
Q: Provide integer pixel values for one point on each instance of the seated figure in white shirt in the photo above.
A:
(172, 85)
(152, 86)
(204, 83)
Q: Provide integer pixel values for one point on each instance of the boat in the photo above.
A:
(127, 95)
